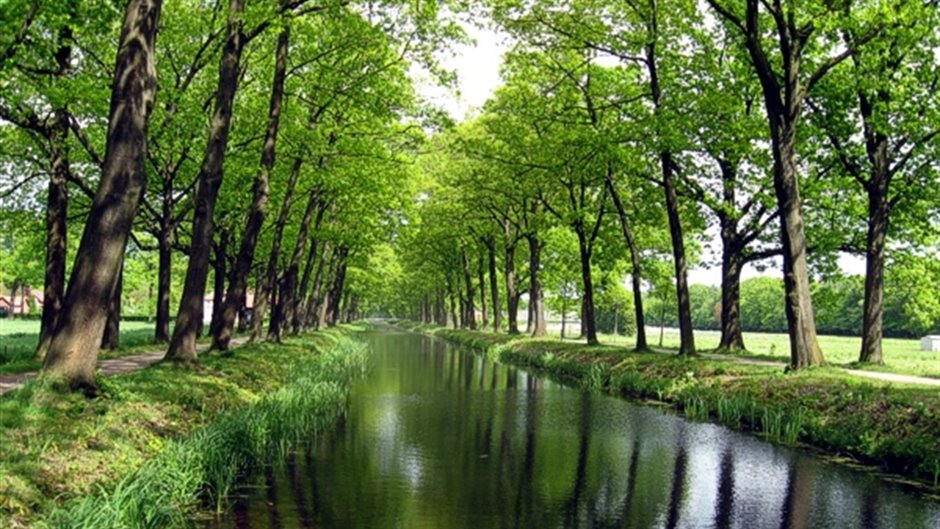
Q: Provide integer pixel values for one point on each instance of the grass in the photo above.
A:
(159, 440)
(901, 356)
(895, 427)
(18, 339)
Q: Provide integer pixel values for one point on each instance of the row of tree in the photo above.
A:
(264, 142)
(628, 131)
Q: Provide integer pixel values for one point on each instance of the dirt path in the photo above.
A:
(109, 367)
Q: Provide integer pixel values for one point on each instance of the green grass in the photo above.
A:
(56, 448)
(18, 339)
(901, 355)
(895, 427)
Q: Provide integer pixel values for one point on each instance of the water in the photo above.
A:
(441, 438)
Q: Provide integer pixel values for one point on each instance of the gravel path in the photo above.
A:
(109, 367)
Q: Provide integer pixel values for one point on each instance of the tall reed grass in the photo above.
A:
(201, 470)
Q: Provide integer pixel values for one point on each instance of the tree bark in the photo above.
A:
(873, 307)
(218, 287)
(314, 302)
(731, 337)
(189, 317)
(636, 270)
(165, 270)
(237, 290)
(536, 301)
(686, 333)
(57, 202)
(589, 325)
(111, 339)
(73, 351)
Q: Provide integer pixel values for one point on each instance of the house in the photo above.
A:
(209, 300)
(22, 303)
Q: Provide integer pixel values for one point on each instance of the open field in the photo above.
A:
(901, 355)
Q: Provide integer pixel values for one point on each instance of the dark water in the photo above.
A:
(441, 438)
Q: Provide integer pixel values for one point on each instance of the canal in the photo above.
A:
(437, 437)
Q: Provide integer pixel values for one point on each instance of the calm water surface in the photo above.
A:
(438, 437)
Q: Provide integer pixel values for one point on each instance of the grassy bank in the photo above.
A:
(165, 441)
(894, 427)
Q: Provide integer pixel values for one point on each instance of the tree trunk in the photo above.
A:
(471, 318)
(512, 296)
(536, 301)
(731, 337)
(237, 290)
(218, 287)
(873, 309)
(268, 282)
(453, 303)
(494, 287)
(587, 297)
(313, 303)
(164, 272)
(111, 339)
(286, 299)
(303, 292)
(686, 333)
(73, 351)
(636, 270)
(337, 293)
(57, 202)
(189, 317)
(804, 347)
(482, 279)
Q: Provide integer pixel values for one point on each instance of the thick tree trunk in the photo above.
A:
(494, 287)
(189, 317)
(164, 273)
(587, 296)
(873, 308)
(731, 337)
(731, 262)
(73, 351)
(512, 296)
(804, 347)
(111, 339)
(57, 202)
(536, 299)
(268, 282)
(636, 270)
(237, 290)
(686, 333)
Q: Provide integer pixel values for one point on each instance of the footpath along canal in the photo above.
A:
(438, 437)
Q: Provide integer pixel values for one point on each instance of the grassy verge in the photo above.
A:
(895, 427)
(164, 441)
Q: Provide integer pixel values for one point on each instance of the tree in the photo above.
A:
(73, 350)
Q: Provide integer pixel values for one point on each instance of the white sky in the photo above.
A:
(477, 66)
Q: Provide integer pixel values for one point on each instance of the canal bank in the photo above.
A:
(164, 442)
(893, 428)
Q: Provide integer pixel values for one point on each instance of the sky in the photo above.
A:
(477, 66)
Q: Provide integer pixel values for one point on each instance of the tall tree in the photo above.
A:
(73, 351)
